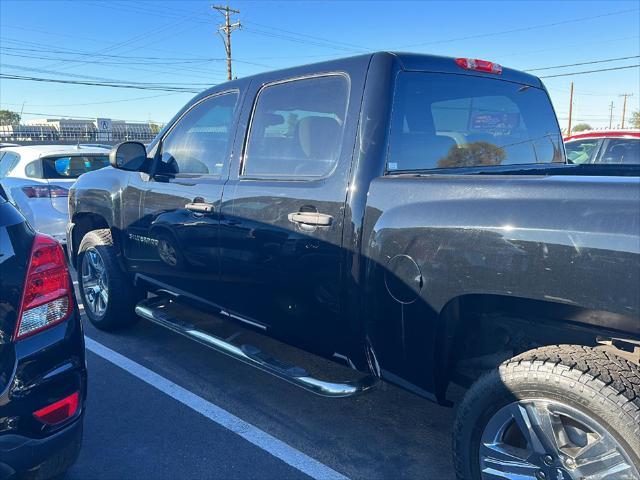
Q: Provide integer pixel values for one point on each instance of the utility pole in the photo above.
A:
(624, 105)
(610, 115)
(227, 28)
(570, 109)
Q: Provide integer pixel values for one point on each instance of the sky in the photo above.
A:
(175, 44)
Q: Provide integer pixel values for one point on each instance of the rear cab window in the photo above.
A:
(449, 121)
(72, 166)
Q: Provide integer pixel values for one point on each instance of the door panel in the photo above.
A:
(283, 209)
(174, 243)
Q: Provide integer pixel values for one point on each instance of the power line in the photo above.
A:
(158, 87)
(78, 52)
(522, 29)
(170, 72)
(313, 37)
(590, 71)
(582, 63)
(101, 79)
(159, 60)
(133, 99)
(580, 44)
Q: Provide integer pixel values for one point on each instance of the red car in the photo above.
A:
(606, 146)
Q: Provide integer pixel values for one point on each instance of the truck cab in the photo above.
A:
(409, 215)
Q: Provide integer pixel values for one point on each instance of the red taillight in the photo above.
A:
(37, 191)
(45, 191)
(46, 299)
(479, 65)
(59, 411)
(57, 191)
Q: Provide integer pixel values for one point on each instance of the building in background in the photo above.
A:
(71, 130)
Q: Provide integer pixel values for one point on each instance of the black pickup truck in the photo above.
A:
(411, 216)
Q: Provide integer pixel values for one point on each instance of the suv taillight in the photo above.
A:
(45, 191)
(47, 298)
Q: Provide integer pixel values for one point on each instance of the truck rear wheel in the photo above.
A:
(557, 412)
(108, 295)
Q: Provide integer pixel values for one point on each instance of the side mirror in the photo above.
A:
(129, 156)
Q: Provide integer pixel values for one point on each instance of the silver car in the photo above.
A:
(37, 180)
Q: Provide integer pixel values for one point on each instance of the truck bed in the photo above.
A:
(571, 240)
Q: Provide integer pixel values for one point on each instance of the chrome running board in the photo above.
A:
(151, 309)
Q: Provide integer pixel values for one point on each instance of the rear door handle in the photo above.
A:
(311, 218)
(200, 207)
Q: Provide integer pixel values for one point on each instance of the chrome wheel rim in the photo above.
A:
(94, 282)
(548, 440)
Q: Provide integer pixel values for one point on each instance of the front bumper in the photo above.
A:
(40, 457)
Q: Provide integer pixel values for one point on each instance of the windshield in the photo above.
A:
(581, 151)
(625, 151)
(73, 166)
(450, 121)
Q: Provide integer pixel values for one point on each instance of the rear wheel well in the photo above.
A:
(478, 332)
(83, 224)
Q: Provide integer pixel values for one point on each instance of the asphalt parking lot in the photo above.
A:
(161, 406)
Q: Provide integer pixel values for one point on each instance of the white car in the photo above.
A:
(37, 180)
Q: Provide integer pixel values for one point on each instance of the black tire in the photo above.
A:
(122, 296)
(597, 383)
(56, 466)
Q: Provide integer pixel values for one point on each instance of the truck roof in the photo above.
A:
(410, 62)
(438, 63)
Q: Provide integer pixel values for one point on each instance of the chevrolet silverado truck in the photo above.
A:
(412, 217)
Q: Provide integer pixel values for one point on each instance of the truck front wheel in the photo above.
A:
(107, 293)
(557, 412)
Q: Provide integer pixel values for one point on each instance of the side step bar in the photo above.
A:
(151, 309)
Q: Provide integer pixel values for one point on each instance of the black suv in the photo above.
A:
(43, 378)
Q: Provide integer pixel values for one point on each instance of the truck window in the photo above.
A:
(296, 128)
(198, 142)
(451, 121)
(581, 151)
(624, 151)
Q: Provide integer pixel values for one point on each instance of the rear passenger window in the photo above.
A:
(452, 121)
(33, 169)
(198, 143)
(296, 128)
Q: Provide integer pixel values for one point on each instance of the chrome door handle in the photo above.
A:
(311, 218)
(200, 207)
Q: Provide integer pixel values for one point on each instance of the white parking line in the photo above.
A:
(251, 433)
